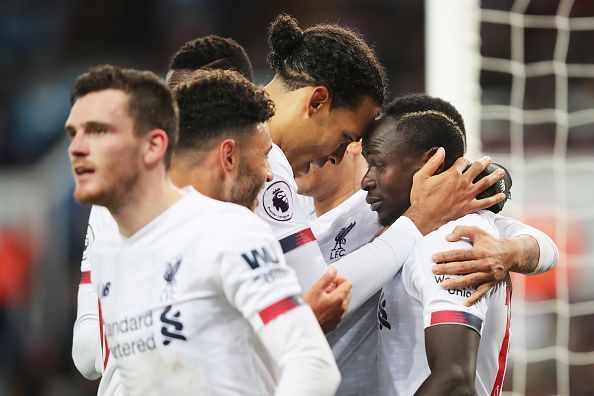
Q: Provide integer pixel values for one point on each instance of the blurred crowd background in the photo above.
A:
(45, 45)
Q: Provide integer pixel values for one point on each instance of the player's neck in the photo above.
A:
(146, 202)
(347, 188)
(324, 204)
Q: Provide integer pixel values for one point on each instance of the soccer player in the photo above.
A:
(462, 350)
(208, 52)
(90, 352)
(197, 289)
(345, 222)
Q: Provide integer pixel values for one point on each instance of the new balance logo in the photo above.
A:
(105, 289)
(340, 240)
(382, 315)
(256, 258)
(172, 327)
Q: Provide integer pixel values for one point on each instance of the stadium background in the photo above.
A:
(44, 45)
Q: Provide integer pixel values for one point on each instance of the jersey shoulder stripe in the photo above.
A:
(297, 239)
(457, 317)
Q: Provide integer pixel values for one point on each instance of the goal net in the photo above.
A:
(522, 74)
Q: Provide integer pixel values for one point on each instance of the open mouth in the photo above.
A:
(83, 170)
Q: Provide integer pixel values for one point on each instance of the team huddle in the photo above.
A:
(309, 237)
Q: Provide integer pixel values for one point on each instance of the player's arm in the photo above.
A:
(525, 250)
(87, 352)
(86, 341)
(452, 331)
(451, 353)
(301, 250)
(268, 295)
(299, 347)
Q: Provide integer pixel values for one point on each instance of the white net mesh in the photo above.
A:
(537, 118)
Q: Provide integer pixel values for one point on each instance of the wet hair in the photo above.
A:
(423, 122)
(150, 103)
(217, 104)
(212, 52)
(329, 55)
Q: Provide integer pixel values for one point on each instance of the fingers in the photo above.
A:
(469, 232)
(485, 203)
(459, 166)
(479, 293)
(461, 268)
(477, 167)
(466, 281)
(451, 256)
(431, 165)
(326, 280)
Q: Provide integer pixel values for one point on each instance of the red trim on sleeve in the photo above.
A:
(502, 361)
(85, 277)
(104, 345)
(278, 308)
(457, 317)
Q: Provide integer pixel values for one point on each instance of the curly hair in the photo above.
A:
(150, 103)
(423, 122)
(329, 55)
(218, 103)
(212, 52)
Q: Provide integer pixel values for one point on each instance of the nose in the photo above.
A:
(368, 181)
(78, 146)
(338, 154)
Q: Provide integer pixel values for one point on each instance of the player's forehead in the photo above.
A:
(106, 106)
(355, 121)
(381, 139)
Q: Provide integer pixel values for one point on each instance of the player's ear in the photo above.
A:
(428, 154)
(318, 101)
(228, 155)
(155, 145)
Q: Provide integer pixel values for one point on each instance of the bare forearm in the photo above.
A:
(527, 254)
(436, 385)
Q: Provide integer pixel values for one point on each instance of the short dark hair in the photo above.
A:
(217, 103)
(329, 55)
(423, 122)
(150, 102)
(213, 52)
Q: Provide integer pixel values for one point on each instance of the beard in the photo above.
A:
(111, 190)
(245, 190)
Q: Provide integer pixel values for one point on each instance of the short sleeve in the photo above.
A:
(441, 306)
(255, 278)
(279, 205)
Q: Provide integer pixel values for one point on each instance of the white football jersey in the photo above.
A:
(346, 227)
(183, 297)
(103, 227)
(341, 231)
(414, 300)
(280, 207)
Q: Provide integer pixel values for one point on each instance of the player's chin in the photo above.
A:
(386, 218)
(85, 195)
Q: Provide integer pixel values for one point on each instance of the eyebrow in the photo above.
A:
(70, 130)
